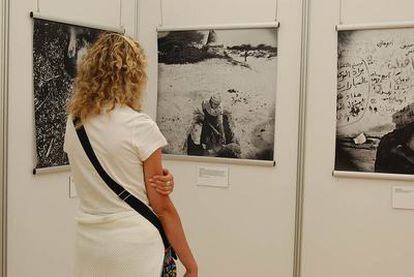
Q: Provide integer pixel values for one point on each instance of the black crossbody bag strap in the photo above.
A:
(119, 190)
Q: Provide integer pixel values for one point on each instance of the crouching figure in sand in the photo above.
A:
(211, 131)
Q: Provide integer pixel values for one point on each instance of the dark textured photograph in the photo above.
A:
(375, 101)
(57, 50)
(216, 92)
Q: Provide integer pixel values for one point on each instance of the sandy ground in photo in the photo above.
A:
(251, 100)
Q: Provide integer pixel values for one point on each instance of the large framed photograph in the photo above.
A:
(375, 101)
(216, 92)
(57, 50)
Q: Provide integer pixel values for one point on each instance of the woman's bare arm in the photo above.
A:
(168, 215)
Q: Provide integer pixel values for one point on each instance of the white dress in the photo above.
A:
(113, 240)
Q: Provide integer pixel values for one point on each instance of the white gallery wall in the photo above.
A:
(248, 228)
(350, 228)
(40, 213)
(244, 230)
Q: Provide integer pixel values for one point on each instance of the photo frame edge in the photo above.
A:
(218, 160)
(263, 25)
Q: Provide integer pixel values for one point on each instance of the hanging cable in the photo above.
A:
(120, 14)
(161, 13)
(276, 7)
(37, 6)
(340, 12)
(137, 18)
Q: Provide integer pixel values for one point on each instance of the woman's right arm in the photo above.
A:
(168, 215)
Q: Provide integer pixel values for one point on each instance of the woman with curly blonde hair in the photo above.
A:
(113, 239)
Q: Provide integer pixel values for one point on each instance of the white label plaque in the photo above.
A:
(403, 197)
(213, 176)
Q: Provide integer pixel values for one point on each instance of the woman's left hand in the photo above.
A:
(163, 184)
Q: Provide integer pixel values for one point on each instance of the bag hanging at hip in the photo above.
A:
(169, 267)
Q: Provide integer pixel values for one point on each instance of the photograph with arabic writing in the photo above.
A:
(375, 101)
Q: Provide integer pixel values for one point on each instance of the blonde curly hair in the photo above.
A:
(112, 72)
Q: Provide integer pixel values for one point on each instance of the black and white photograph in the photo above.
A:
(57, 50)
(216, 92)
(375, 101)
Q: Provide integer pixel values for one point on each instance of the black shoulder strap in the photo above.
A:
(119, 190)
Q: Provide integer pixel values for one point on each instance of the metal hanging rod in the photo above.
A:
(373, 26)
(373, 175)
(77, 23)
(46, 170)
(274, 24)
(219, 160)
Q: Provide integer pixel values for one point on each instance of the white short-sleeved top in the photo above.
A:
(122, 139)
